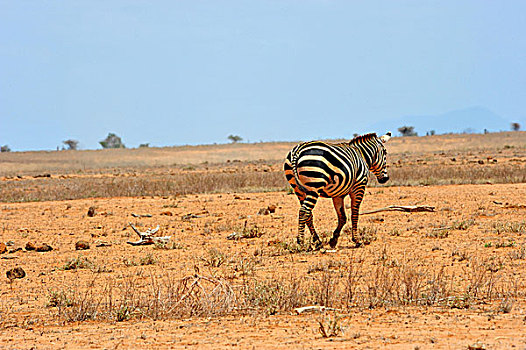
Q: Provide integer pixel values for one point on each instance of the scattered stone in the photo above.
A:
(16, 272)
(91, 212)
(143, 215)
(81, 245)
(477, 346)
(11, 251)
(167, 213)
(42, 175)
(30, 246)
(3, 248)
(103, 244)
(263, 211)
(268, 210)
(10, 243)
(44, 248)
(481, 161)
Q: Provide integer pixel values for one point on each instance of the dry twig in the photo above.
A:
(404, 208)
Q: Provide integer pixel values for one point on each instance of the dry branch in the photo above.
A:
(147, 238)
(404, 208)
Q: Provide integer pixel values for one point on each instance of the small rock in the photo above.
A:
(10, 243)
(477, 346)
(11, 251)
(81, 245)
(167, 213)
(3, 248)
(91, 212)
(16, 272)
(30, 246)
(272, 208)
(263, 211)
(44, 248)
(481, 161)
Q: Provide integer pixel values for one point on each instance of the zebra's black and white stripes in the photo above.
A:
(319, 169)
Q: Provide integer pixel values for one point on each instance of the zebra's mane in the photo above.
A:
(362, 138)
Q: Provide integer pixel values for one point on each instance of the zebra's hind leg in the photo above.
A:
(356, 200)
(305, 218)
(342, 219)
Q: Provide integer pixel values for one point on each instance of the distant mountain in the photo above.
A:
(469, 120)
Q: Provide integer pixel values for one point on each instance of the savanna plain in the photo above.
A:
(231, 274)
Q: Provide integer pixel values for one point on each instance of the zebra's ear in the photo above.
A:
(385, 137)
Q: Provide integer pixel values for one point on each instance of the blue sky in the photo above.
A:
(193, 72)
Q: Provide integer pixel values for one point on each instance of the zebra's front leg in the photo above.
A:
(342, 219)
(356, 200)
(305, 218)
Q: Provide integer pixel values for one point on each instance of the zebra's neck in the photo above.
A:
(363, 151)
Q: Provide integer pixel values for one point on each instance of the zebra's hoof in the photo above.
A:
(358, 244)
(333, 242)
(317, 245)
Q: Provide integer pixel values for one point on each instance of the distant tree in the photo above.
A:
(355, 135)
(144, 145)
(72, 144)
(407, 131)
(235, 138)
(430, 133)
(5, 148)
(515, 126)
(112, 141)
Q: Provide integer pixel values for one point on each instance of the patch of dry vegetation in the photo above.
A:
(367, 281)
(433, 160)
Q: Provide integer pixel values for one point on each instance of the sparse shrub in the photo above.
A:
(168, 245)
(462, 225)
(80, 262)
(76, 305)
(144, 145)
(367, 234)
(274, 295)
(441, 233)
(460, 255)
(72, 144)
(518, 254)
(246, 266)
(235, 138)
(215, 258)
(509, 227)
(112, 141)
(252, 231)
(58, 298)
(324, 289)
(515, 126)
(330, 326)
(5, 148)
(395, 232)
(149, 259)
(506, 305)
(407, 131)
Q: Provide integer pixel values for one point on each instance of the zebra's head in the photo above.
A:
(378, 165)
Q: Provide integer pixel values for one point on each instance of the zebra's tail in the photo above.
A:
(294, 163)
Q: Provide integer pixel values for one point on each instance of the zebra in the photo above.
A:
(334, 170)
